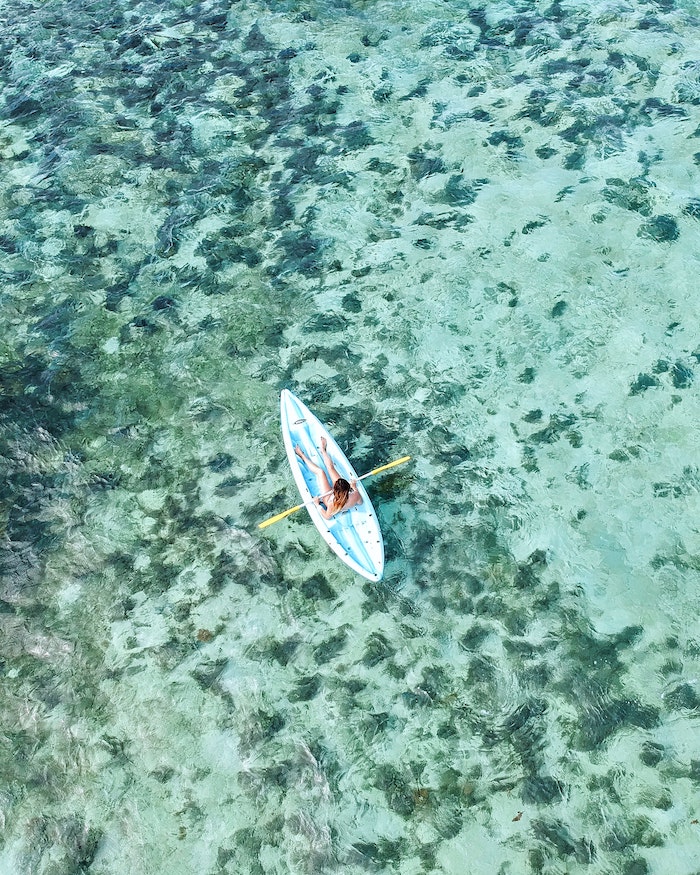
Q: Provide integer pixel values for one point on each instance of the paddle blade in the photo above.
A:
(280, 516)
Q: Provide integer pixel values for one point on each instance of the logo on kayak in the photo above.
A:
(299, 421)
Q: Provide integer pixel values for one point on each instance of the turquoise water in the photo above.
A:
(465, 233)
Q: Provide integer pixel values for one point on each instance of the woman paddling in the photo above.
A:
(344, 494)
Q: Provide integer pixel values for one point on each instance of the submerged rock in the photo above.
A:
(681, 375)
(423, 165)
(662, 229)
(642, 383)
(683, 697)
(542, 790)
(602, 719)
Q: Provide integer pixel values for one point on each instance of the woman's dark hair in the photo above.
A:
(341, 491)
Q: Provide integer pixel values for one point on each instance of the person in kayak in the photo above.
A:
(344, 493)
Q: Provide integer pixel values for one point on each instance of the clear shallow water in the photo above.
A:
(465, 233)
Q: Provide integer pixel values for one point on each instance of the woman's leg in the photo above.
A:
(322, 477)
(329, 462)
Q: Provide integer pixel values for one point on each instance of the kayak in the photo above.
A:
(353, 535)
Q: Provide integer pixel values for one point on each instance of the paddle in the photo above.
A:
(285, 513)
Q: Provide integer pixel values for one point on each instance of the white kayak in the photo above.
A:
(353, 535)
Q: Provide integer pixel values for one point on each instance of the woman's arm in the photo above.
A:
(355, 497)
(325, 513)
